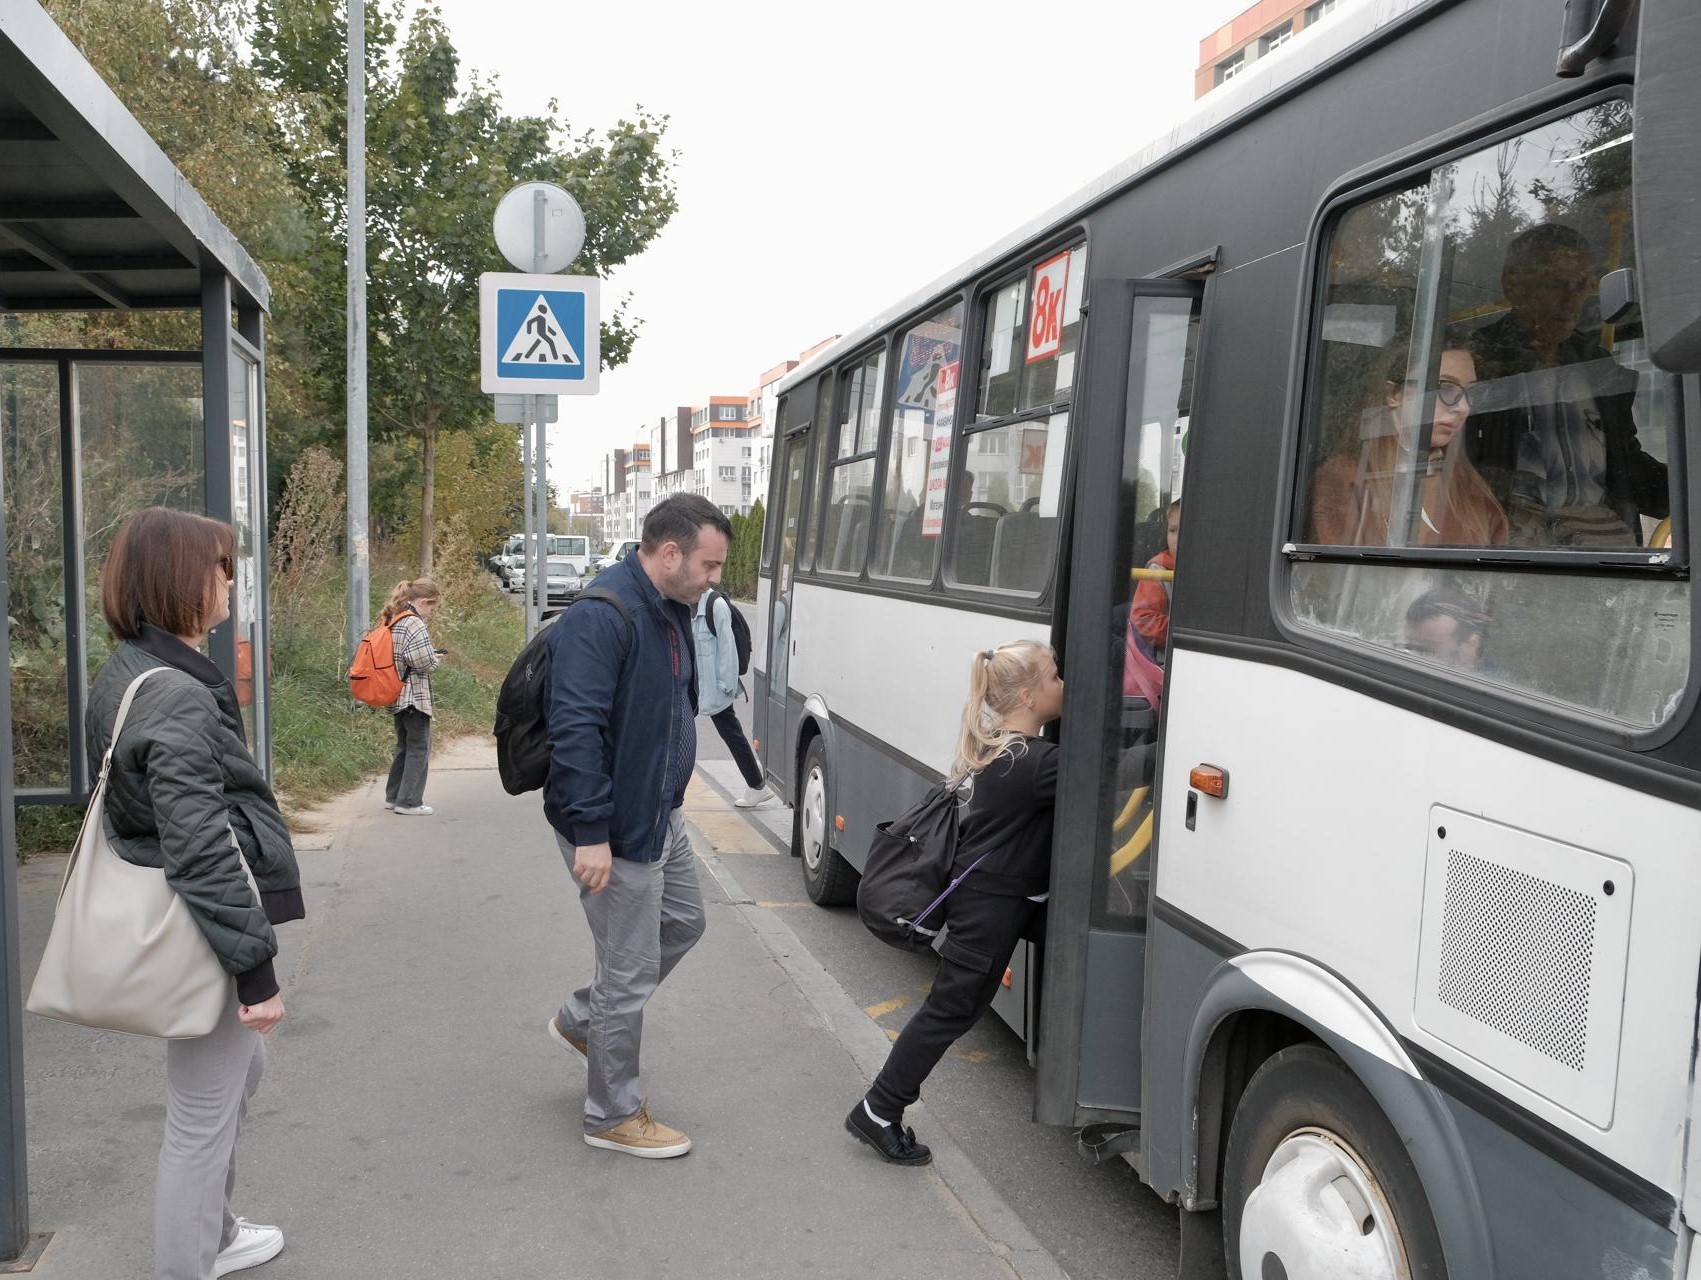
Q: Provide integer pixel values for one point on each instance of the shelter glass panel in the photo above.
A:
(35, 567)
(247, 509)
(142, 446)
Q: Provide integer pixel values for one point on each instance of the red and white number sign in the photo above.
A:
(1045, 316)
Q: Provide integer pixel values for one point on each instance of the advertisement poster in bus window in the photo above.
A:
(1032, 462)
(1045, 316)
(918, 371)
(939, 449)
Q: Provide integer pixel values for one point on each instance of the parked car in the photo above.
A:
(563, 580)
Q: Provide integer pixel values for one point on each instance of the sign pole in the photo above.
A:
(540, 450)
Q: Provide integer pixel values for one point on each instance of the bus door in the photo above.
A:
(1139, 378)
(773, 727)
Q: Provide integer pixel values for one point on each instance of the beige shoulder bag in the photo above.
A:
(124, 953)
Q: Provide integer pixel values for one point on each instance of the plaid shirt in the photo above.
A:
(416, 658)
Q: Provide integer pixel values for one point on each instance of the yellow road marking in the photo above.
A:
(878, 1011)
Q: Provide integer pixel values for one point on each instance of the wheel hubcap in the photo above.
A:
(1319, 1211)
(814, 818)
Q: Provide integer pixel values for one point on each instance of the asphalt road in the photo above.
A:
(1097, 1220)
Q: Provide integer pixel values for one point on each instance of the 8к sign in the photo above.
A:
(1045, 316)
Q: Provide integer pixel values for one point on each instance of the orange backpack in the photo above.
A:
(373, 679)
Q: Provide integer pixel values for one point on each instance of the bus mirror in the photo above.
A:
(1666, 191)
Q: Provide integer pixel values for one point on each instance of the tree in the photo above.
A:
(439, 160)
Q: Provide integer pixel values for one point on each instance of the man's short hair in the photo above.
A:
(680, 519)
(1542, 243)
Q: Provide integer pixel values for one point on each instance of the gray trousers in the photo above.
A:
(208, 1083)
(405, 785)
(643, 922)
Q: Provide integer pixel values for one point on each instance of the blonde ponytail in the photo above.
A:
(997, 678)
(405, 593)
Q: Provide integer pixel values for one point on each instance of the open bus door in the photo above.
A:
(773, 726)
(1141, 337)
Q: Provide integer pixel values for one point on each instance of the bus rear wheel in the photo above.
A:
(828, 879)
(1316, 1182)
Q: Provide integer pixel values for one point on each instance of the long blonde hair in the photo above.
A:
(997, 678)
(405, 593)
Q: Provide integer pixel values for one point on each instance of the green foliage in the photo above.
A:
(744, 556)
(439, 159)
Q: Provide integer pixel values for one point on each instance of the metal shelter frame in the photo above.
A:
(95, 217)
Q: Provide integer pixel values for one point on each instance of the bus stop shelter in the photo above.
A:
(95, 218)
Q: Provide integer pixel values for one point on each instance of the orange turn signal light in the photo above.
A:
(838, 822)
(1007, 977)
(1209, 778)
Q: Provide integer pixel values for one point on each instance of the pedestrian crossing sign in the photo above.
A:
(538, 334)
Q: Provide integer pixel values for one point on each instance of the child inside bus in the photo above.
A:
(1150, 617)
(1006, 775)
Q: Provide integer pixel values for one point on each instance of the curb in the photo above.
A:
(1004, 1230)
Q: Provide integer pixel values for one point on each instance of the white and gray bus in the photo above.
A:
(1375, 923)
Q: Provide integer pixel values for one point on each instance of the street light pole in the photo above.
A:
(357, 546)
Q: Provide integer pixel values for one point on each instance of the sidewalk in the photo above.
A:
(416, 1121)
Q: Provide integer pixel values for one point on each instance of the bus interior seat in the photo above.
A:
(1022, 546)
(849, 521)
(972, 556)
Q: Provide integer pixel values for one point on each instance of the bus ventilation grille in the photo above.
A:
(1522, 953)
(1516, 953)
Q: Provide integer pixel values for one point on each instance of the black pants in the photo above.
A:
(732, 733)
(405, 787)
(984, 931)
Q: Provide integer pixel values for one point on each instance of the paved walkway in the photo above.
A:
(417, 1122)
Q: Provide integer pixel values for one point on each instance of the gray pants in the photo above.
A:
(643, 922)
(405, 785)
(208, 1083)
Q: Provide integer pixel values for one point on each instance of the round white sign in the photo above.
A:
(539, 227)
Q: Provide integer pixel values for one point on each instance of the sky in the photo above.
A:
(833, 158)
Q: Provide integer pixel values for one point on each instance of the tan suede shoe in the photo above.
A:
(641, 1136)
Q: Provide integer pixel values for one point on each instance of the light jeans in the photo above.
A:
(643, 922)
(208, 1083)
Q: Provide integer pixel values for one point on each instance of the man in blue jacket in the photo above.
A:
(623, 742)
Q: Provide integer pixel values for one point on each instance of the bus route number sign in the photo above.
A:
(1045, 317)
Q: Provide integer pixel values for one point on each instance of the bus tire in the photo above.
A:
(1306, 1131)
(828, 879)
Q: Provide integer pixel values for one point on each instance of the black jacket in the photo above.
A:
(622, 717)
(181, 782)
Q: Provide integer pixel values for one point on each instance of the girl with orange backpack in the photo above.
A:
(410, 607)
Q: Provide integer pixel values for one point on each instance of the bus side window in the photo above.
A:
(1468, 393)
(918, 448)
(1009, 496)
(847, 512)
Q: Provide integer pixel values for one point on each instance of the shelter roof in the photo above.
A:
(93, 216)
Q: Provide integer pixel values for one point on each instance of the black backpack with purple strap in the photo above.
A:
(907, 878)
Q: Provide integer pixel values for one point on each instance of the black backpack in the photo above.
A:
(740, 628)
(522, 706)
(908, 875)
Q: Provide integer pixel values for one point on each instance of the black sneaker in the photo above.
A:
(896, 1144)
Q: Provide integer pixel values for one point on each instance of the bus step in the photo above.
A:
(1101, 1142)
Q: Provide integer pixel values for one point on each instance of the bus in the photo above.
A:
(1374, 929)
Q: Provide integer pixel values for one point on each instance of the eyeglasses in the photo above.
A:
(227, 566)
(1452, 393)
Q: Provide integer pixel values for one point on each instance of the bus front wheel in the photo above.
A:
(829, 880)
(1317, 1182)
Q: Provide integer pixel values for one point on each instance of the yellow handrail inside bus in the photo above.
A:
(1129, 809)
(1662, 534)
(1148, 574)
(1137, 844)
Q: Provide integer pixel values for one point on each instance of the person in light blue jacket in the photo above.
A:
(717, 686)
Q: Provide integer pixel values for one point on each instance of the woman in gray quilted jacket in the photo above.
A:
(185, 795)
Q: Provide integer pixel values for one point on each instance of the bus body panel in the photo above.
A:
(1358, 909)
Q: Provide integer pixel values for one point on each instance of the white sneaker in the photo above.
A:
(753, 797)
(415, 810)
(254, 1244)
